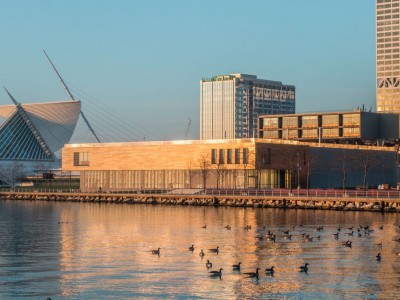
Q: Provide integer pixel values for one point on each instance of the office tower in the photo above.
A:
(230, 104)
(387, 56)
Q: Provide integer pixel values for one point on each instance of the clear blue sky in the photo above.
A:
(146, 58)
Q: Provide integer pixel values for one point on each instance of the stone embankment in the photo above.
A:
(326, 203)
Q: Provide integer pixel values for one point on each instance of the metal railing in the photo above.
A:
(303, 193)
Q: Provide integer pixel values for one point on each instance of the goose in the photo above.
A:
(336, 235)
(347, 243)
(236, 267)
(260, 237)
(349, 233)
(253, 274)
(338, 229)
(304, 268)
(308, 239)
(286, 232)
(378, 257)
(287, 237)
(228, 227)
(359, 234)
(201, 253)
(271, 238)
(156, 251)
(208, 264)
(216, 273)
(204, 226)
(270, 271)
(214, 250)
(191, 248)
(350, 228)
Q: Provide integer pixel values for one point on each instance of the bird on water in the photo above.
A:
(214, 250)
(253, 274)
(204, 226)
(216, 273)
(378, 257)
(208, 264)
(156, 251)
(304, 268)
(191, 248)
(236, 267)
(270, 271)
(201, 254)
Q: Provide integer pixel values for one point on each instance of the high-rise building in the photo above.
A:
(230, 104)
(387, 56)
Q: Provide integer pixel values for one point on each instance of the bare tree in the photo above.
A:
(204, 169)
(191, 172)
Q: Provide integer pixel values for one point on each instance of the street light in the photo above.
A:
(298, 170)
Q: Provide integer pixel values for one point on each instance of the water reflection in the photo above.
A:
(104, 250)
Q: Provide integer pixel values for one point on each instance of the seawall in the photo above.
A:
(293, 202)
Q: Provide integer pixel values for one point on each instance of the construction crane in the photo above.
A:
(187, 128)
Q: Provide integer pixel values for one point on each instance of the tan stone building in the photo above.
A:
(240, 163)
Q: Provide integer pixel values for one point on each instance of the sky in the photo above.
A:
(145, 59)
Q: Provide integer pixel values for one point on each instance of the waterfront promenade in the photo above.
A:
(371, 200)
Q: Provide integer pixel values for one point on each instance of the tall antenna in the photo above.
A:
(72, 97)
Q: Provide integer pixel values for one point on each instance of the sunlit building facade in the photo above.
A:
(387, 56)
(230, 104)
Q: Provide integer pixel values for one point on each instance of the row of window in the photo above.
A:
(81, 158)
(225, 156)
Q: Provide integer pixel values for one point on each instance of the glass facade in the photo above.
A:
(387, 56)
(231, 104)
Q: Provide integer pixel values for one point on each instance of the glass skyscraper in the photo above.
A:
(230, 104)
(387, 56)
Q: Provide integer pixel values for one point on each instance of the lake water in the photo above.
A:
(96, 251)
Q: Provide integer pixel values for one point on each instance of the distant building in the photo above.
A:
(230, 104)
(227, 163)
(355, 127)
(388, 56)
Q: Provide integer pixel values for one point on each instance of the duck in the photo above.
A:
(308, 239)
(236, 267)
(214, 250)
(216, 273)
(260, 237)
(359, 234)
(208, 264)
(270, 271)
(381, 227)
(349, 233)
(253, 274)
(228, 227)
(201, 253)
(156, 251)
(204, 226)
(286, 232)
(191, 248)
(378, 257)
(304, 268)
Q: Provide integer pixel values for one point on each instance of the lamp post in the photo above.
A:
(298, 170)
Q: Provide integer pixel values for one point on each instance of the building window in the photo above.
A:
(237, 156)
(81, 158)
(221, 158)
(213, 156)
(245, 156)
(229, 156)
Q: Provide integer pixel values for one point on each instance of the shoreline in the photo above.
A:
(320, 203)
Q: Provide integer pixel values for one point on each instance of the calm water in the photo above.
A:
(102, 251)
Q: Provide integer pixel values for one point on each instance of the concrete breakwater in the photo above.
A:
(326, 203)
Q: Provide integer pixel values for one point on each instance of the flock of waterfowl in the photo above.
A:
(286, 235)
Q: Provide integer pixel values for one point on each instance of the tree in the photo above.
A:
(191, 172)
(204, 168)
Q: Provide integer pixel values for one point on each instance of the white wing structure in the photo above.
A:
(36, 131)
